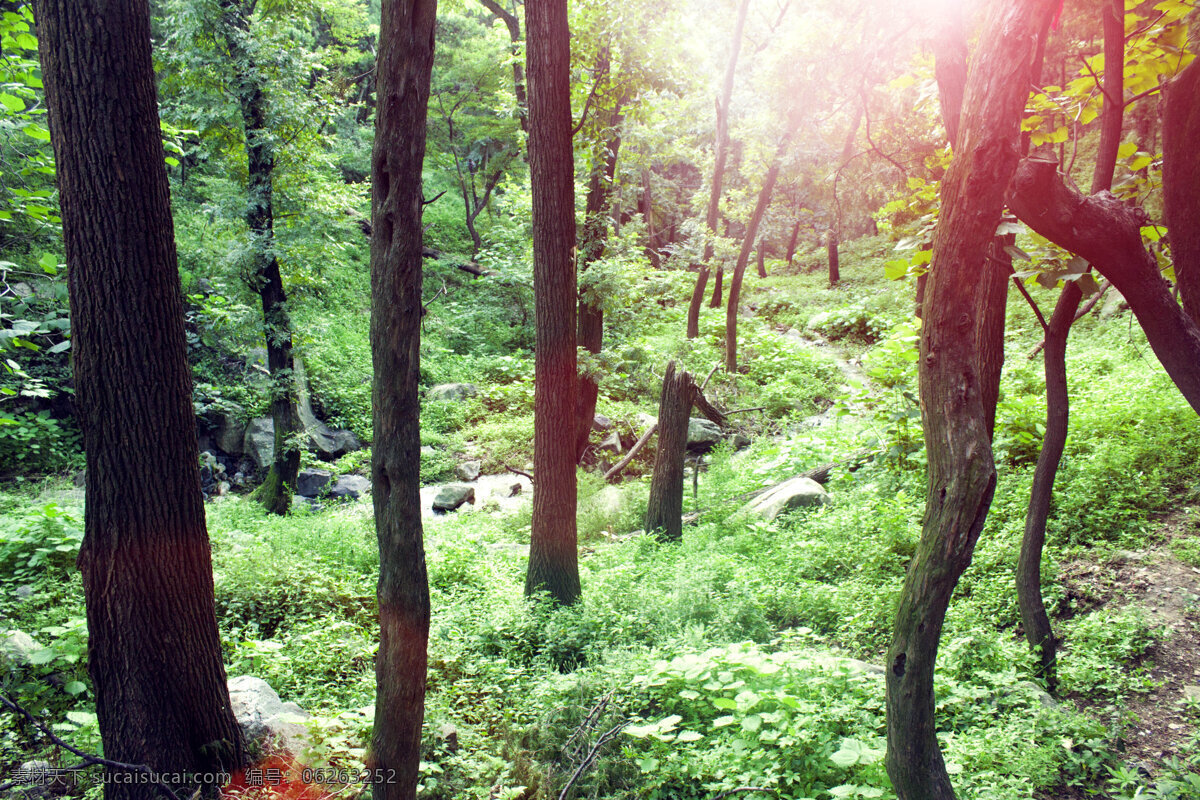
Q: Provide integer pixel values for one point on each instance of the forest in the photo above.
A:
(548, 400)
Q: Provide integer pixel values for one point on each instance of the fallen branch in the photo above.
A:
(516, 471)
(633, 451)
(708, 409)
(743, 410)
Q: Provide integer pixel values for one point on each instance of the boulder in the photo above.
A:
(329, 444)
(703, 434)
(601, 423)
(259, 441)
(740, 441)
(350, 486)
(311, 482)
(453, 495)
(263, 717)
(231, 431)
(797, 493)
(611, 442)
(468, 471)
(1114, 304)
(448, 392)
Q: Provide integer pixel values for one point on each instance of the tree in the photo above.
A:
(553, 555)
(961, 474)
(1181, 175)
(664, 509)
(154, 654)
(406, 49)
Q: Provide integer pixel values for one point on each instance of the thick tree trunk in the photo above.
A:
(992, 302)
(553, 556)
(664, 511)
(831, 252)
(720, 155)
(404, 67)
(961, 477)
(1181, 182)
(760, 209)
(276, 490)
(1107, 233)
(153, 653)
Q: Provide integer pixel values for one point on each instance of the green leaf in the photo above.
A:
(845, 757)
(82, 718)
(75, 688)
(724, 703)
(752, 723)
(1126, 150)
(13, 103)
(43, 656)
(37, 132)
(689, 736)
(174, 162)
(721, 722)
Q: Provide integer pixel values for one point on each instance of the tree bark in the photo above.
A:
(720, 155)
(831, 252)
(553, 556)
(791, 248)
(276, 490)
(404, 67)
(762, 259)
(760, 209)
(514, 35)
(154, 653)
(1181, 182)
(1107, 233)
(664, 511)
(962, 477)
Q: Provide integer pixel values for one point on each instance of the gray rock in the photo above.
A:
(350, 486)
(231, 431)
(644, 420)
(329, 444)
(740, 441)
(468, 470)
(797, 493)
(611, 442)
(1114, 304)
(601, 423)
(1191, 692)
(79, 479)
(310, 482)
(17, 649)
(702, 434)
(25, 591)
(21, 289)
(264, 717)
(259, 441)
(447, 392)
(453, 495)
(222, 488)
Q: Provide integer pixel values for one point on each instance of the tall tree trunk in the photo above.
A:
(664, 511)
(1181, 177)
(406, 47)
(791, 248)
(760, 209)
(1034, 619)
(154, 653)
(762, 259)
(590, 331)
(514, 36)
(652, 243)
(720, 155)
(553, 554)
(831, 251)
(276, 490)
(961, 477)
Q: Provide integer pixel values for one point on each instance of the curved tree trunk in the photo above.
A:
(962, 476)
(1181, 182)
(153, 652)
(664, 510)
(720, 155)
(553, 555)
(404, 66)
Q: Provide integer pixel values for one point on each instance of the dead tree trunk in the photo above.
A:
(664, 512)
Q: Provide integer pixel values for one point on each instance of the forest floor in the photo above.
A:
(1168, 590)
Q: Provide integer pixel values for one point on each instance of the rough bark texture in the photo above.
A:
(831, 252)
(1106, 232)
(404, 66)
(760, 209)
(553, 556)
(1181, 182)
(720, 155)
(962, 476)
(664, 511)
(153, 652)
(275, 493)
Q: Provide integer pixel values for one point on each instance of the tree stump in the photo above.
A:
(664, 512)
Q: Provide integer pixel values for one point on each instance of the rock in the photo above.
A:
(449, 736)
(797, 493)
(448, 392)
(79, 479)
(702, 434)
(264, 717)
(310, 482)
(601, 423)
(329, 444)
(468, 470)
(39, 778)
(644, 420)
(452, 496)
(208, 468)
(611, 442)
(259, 441)
(351, 486)
(740, 441)
(1114, 304)
(17, 649)
(222, 489)
(231, 431)
(21, 290)
(24, 592)
(1191, 692)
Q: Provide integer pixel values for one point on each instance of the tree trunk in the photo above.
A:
(961, 477)
(514, 36)
(154, 654)
(720, 155)
(276, 490)
(791, 248)
(831, 250)
(664, 511)
(652, 243)
(1181, 182)
(590, 331)
(406, 46)
(553, 556)
(760, 208)
(762, 259)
